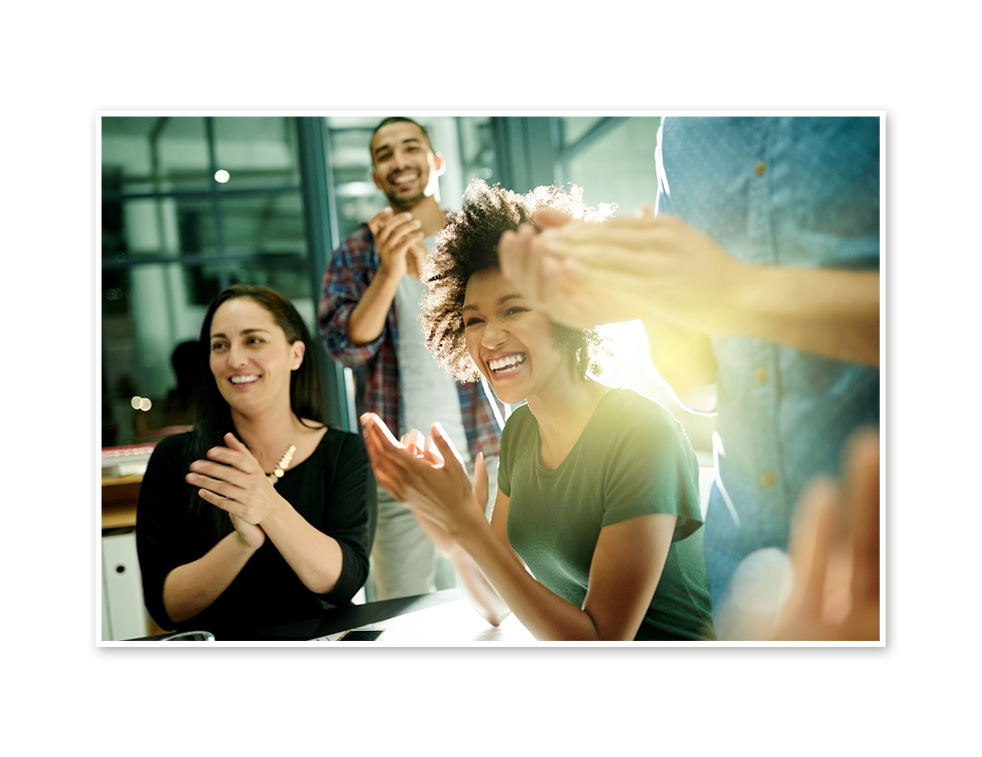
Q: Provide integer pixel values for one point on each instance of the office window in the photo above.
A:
(190, 205)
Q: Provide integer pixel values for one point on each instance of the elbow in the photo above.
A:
(497, 616)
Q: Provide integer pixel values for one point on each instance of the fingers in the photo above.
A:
(432, 454)
(445, 446)
(643, 233)
(520, 261)
(549, 218)
(810, 545)
(414, 441)
(398, 233)
(863, 493)
(529, 265)
(371, 423)
(379, 220)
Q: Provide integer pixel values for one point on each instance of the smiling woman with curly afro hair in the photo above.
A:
(467, 245)
(595, 532)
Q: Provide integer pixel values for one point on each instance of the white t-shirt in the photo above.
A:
(428, 392)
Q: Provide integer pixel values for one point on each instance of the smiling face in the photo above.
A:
(250, 357)
(402, 163)
(512, 344)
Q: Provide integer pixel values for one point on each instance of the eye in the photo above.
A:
(515, 310)
(256, 340)
(218, 346)
(472, 321)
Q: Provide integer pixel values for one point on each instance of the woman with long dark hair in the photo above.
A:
(261, 514)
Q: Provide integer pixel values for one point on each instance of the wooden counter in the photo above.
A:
(119, 496)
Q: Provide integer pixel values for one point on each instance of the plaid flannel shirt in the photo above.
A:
(348, 275)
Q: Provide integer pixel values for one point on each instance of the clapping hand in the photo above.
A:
(428, 476)
(231, 479)
(397, 239)
(585, 274)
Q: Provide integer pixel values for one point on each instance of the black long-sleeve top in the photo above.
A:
(334, 490)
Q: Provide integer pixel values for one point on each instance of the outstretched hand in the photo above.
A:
(231, 479)
(585, 274)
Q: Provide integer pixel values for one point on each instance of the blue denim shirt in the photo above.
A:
(791, 191)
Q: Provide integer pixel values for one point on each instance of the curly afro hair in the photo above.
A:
(469, 244)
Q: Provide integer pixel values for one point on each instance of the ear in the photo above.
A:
(439, 164)
(297, 350)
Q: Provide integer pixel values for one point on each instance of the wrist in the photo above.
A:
(389, 275)
(242, 545)
(466, 528)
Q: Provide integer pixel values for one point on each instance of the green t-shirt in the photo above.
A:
(632, 459)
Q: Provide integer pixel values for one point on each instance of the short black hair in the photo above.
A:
(467, 245)
(398, 120)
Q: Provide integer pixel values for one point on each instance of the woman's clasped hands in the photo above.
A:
(233, 480)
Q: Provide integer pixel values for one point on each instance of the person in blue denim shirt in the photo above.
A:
(758, 284)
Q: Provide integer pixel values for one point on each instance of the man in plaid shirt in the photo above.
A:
(369, 316)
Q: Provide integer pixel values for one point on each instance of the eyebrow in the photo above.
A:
(387, 146)
(502, 301)
(221, 335)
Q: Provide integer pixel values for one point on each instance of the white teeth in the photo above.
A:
(243, 379)
(509, 361)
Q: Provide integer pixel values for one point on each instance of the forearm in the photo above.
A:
(475, 586)
(368, 317)
(546, 615)
(481, 595)
(190, 588)
(314, 556)
(833, 313)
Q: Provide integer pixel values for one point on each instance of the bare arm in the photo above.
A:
(232, 480)
(627, 563)
(380, 444)
(660, 270)
(190, 588)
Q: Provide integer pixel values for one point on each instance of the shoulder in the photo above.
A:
(361, 241)
(341, 446)
(631, 418)
(628, 405)
(172, 447)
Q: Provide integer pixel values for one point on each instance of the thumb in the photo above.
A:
(481, 486)
(646, 211)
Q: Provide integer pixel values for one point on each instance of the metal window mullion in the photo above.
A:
(224, 278)
(323, 235)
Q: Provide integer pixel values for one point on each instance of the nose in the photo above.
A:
(494, 334)
(399, 160)
(236, 356)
